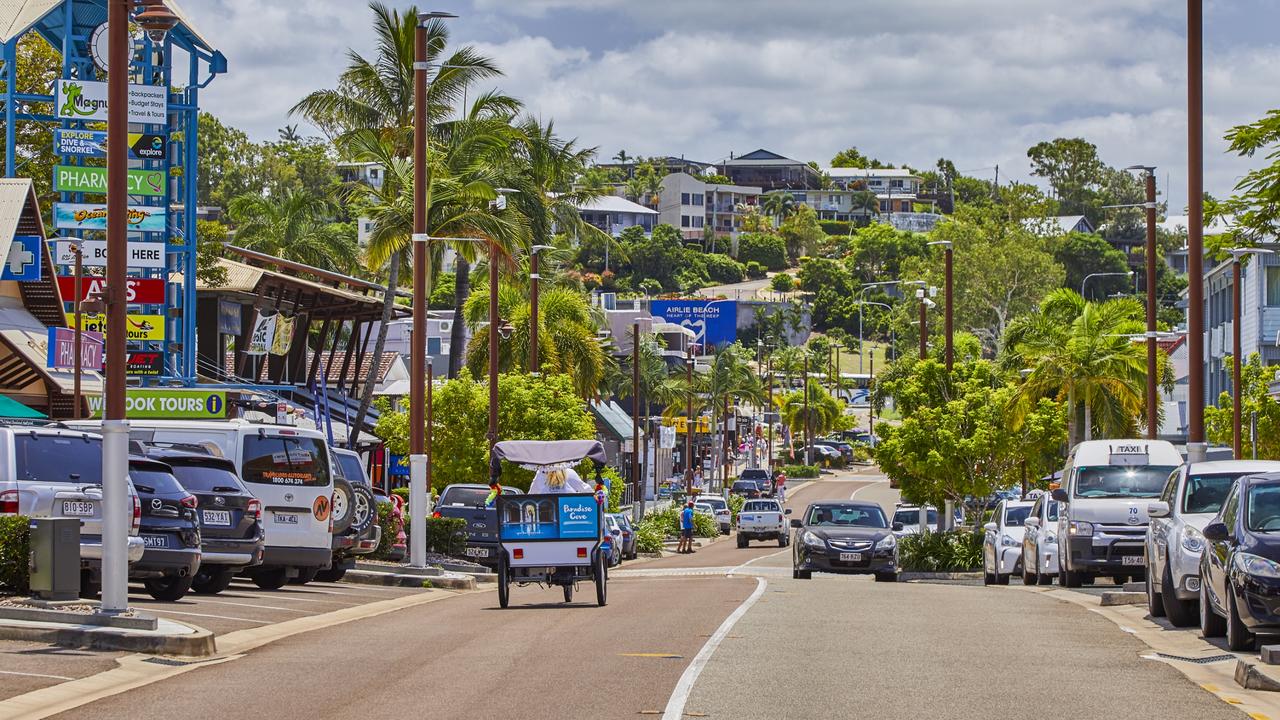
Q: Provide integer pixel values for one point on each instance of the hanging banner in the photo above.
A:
(23, 263)
(87, 100)
(141, 254)
(93, 143)
(140, 327)
(93, 216)
(228, 317)
(144, 363)
(283, 336)
(168, 404)
(143, 291)
(87, 179)
(62, 349)
(264, 329)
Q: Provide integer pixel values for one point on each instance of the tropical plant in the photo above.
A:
(778, 204)
(823, 412)
(295, 226)
(1256, 403)
(729, 378)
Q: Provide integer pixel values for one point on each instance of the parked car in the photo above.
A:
(823, 454)
(170, 531)
(1102, 519)
(1175, 539)
(55, 473)
(1240, 565)
(845, 537)
(287, 468)
(1002, 542)
(613, 538)
(231, 533)
(628, 536)
(907, 519)
(720, 508)
(355, 515)
(761, 477)
(1040, 542)
(844, 448)
(762, 519)
(466, 501)
(748, 489)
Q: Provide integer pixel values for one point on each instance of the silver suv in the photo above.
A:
(53, 473)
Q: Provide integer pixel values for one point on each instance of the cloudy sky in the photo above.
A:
(908, 81)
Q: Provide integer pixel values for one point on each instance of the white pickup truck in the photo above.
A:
(762, 520)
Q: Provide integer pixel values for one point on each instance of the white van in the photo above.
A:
(1102, 518)
(287, 468)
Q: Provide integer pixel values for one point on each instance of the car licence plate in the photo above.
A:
(476, 552)
(155, 541)
(850, 557)
(217, 517)
(1132, 560)
(284, 519)
(77, 508)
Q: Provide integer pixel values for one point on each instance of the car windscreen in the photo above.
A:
(717, 503)
(912, 517)
(746, 485)
(206, 477)
(1053, 510)
(1121, 481)
(285, 460)
(350, 467)
(1264, 508)
(844, 516)
(58, 458)
(1016, 515)
(1204, 493)
(152, 480)
(759, 506)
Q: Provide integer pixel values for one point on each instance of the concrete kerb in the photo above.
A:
(442, 580)
(169, 638)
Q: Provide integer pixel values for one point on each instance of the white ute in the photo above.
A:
(762, 520)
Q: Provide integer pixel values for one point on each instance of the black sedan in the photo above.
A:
(845, 537)
(1240, 565)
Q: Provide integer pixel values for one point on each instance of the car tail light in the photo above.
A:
(9, 502)
(137, 513)
(518, 553)
(254, 508)
(190, 501)
(582, 552)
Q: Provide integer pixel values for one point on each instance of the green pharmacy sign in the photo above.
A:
(77, 178)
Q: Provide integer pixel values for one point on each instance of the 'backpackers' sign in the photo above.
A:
(147, 404)
(87, 100)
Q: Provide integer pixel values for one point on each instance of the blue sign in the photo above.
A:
(398, 466)
(24, 261)
(529, 518)
(714, 322)
(579, 517)
(84, 143)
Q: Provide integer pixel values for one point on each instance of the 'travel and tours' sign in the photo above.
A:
(140, 327)
(87, 100)
(81, 178)
(93, 143)
(144, 291)
(148, 404)
(62, 349)
(93, 216)
(141, 254)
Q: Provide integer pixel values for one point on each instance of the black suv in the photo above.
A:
(762, 478)
(169, 528)
(231, 530)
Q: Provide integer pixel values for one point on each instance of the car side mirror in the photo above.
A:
(897, 527)
(1158, 509)
(787, 511)
(1216, 532)
(991, 527)
(795, 523)
(1031, 522)
(1059, 494)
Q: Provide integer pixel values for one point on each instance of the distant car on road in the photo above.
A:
(1240, 566)
(1175, 540)
(748, 489)
(844, 448)
(724, 516)
(845, 537)
(761, 477)
(909, 517)
(628, 536)
(1002, 542)
(762, 519)
(1040, 542)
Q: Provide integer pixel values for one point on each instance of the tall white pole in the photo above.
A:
(116, 516)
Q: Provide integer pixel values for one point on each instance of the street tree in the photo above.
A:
(1255, 205)
(823, 413)
(1256, 404)
(294, 226)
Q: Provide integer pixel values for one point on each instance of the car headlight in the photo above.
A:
(1050, 536)
(1192, 540)
(1080, 529)
(814, 540)
(1007, 541)
(888, 542)
(1251, 564)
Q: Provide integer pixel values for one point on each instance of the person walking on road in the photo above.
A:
(685, 545)
(780, 489)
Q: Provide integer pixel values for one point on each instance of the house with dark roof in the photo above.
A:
(770, 171)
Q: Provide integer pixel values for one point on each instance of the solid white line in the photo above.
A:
(680, 696)
(260, 607)
(205, 615)
(762, 557)
(39, 675)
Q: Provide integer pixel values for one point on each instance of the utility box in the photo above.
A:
(55, 558)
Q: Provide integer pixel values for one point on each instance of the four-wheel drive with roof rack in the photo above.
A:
(355, 515)
(466, 501)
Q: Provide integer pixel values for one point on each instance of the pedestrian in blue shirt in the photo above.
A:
(686, 529)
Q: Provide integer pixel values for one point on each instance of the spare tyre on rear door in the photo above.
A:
(344, 504)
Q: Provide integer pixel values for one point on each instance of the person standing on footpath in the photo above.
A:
(685, 545)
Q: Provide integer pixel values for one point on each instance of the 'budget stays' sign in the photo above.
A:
(579, 517)
(169, 405)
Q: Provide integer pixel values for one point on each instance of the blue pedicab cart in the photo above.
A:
(549, 539)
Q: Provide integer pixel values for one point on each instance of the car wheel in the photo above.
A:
(1044, 578)
(332, 574)
(1002, 578)
(343, 508)
(1028, 577)
(568, 593)
(270, 579)
(806, 574)
(1072, 579)
(782, 540)
(1119, 580)
(1155, 605)
(305, 575)
(1181, 613)
(1239, 638)
(1212, 625)
(212, 582)
(795, 573)
(169, 589)
(742, 542)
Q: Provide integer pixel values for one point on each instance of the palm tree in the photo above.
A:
(730, 378)
(622, 157)
(822, 414)
(789, 360)
(778, 204)
(295, 226)
(289, 133)
(542, 170)
(866, 201)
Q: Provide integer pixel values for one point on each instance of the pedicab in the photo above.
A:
(552, 535)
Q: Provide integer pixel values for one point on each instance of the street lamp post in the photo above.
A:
(861, 302)
(949, 294)
(496, 326)
(689, 425)
(1196, 448)
(769, 371)
(534, 367)
(1127, 273)
(637, 484)
(804, 383)
(1237, 255)
(419, 492)
(925, 304)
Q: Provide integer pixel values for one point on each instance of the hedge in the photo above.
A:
(801, 471)
(835, 227)
(955, 551)
(14, 554)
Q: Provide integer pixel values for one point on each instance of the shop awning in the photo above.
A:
(611, 417)
(10, 408)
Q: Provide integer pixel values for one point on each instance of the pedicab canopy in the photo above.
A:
(540, 454)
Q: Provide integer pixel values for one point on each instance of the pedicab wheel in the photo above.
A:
(568, 592)
(601, 580)
(504, 587)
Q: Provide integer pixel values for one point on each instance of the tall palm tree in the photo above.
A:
(294, 226)
(823, 410)
(622, 157)
(730, 378)
(866, 201)
(778, 204)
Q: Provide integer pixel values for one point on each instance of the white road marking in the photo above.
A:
(680, 696)
(260, 607)
(39, 675)
(205, 615)
(762, 557)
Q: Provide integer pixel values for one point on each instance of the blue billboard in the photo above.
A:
(714, 322)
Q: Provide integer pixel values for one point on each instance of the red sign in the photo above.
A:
(144, 363)
(144, 291)
(62, 349)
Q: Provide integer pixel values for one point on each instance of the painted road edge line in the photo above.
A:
(680, 695)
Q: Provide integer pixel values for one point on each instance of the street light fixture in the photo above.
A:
(947, 245)
(499, 204)
(1127, 273)
(1237, 256)
(1149, 182)
(861, 291)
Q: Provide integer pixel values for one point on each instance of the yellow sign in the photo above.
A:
(140, 327)
(703, 425)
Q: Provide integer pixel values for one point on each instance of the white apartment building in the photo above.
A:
(692, 205)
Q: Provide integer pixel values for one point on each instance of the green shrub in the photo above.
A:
(666, 524)
(782, 282)
(403, 492)
(956, 551)
(801, 471)
(755, 270)
(735, 505)
(616, 487)
(835, 227)
(14, 553)
(447, 536)
(724, 269)
(649, 537)
(390, 526)
(766, 249)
